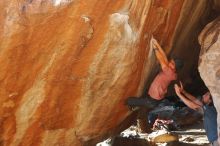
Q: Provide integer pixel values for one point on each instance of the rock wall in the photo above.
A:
(209, 66)
(67, 66)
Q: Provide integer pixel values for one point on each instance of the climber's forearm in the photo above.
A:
(188, 102)
(161, 60)
(192, 98)
(160, 51)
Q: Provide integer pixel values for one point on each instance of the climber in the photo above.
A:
(158, 87)
(205, 105)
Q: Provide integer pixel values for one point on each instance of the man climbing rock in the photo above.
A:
(159, 86)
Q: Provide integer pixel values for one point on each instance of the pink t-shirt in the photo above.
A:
(159, 86)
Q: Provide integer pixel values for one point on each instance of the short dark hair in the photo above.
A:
(179, 63)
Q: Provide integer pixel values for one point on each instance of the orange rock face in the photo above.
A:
(67, 66)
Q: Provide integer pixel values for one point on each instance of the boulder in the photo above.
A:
(209, 66)
(67, 66)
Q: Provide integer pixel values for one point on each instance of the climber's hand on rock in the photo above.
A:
(153, 43)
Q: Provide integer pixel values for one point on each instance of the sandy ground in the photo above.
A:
(192, 135)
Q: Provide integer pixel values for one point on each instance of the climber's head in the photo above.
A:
(176, 63)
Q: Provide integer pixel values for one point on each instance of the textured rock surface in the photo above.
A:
(216, 5)
(209, 66)
(67, 66)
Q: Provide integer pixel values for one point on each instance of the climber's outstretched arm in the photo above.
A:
(160, 54)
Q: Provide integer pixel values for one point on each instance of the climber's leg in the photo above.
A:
(147, 102)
